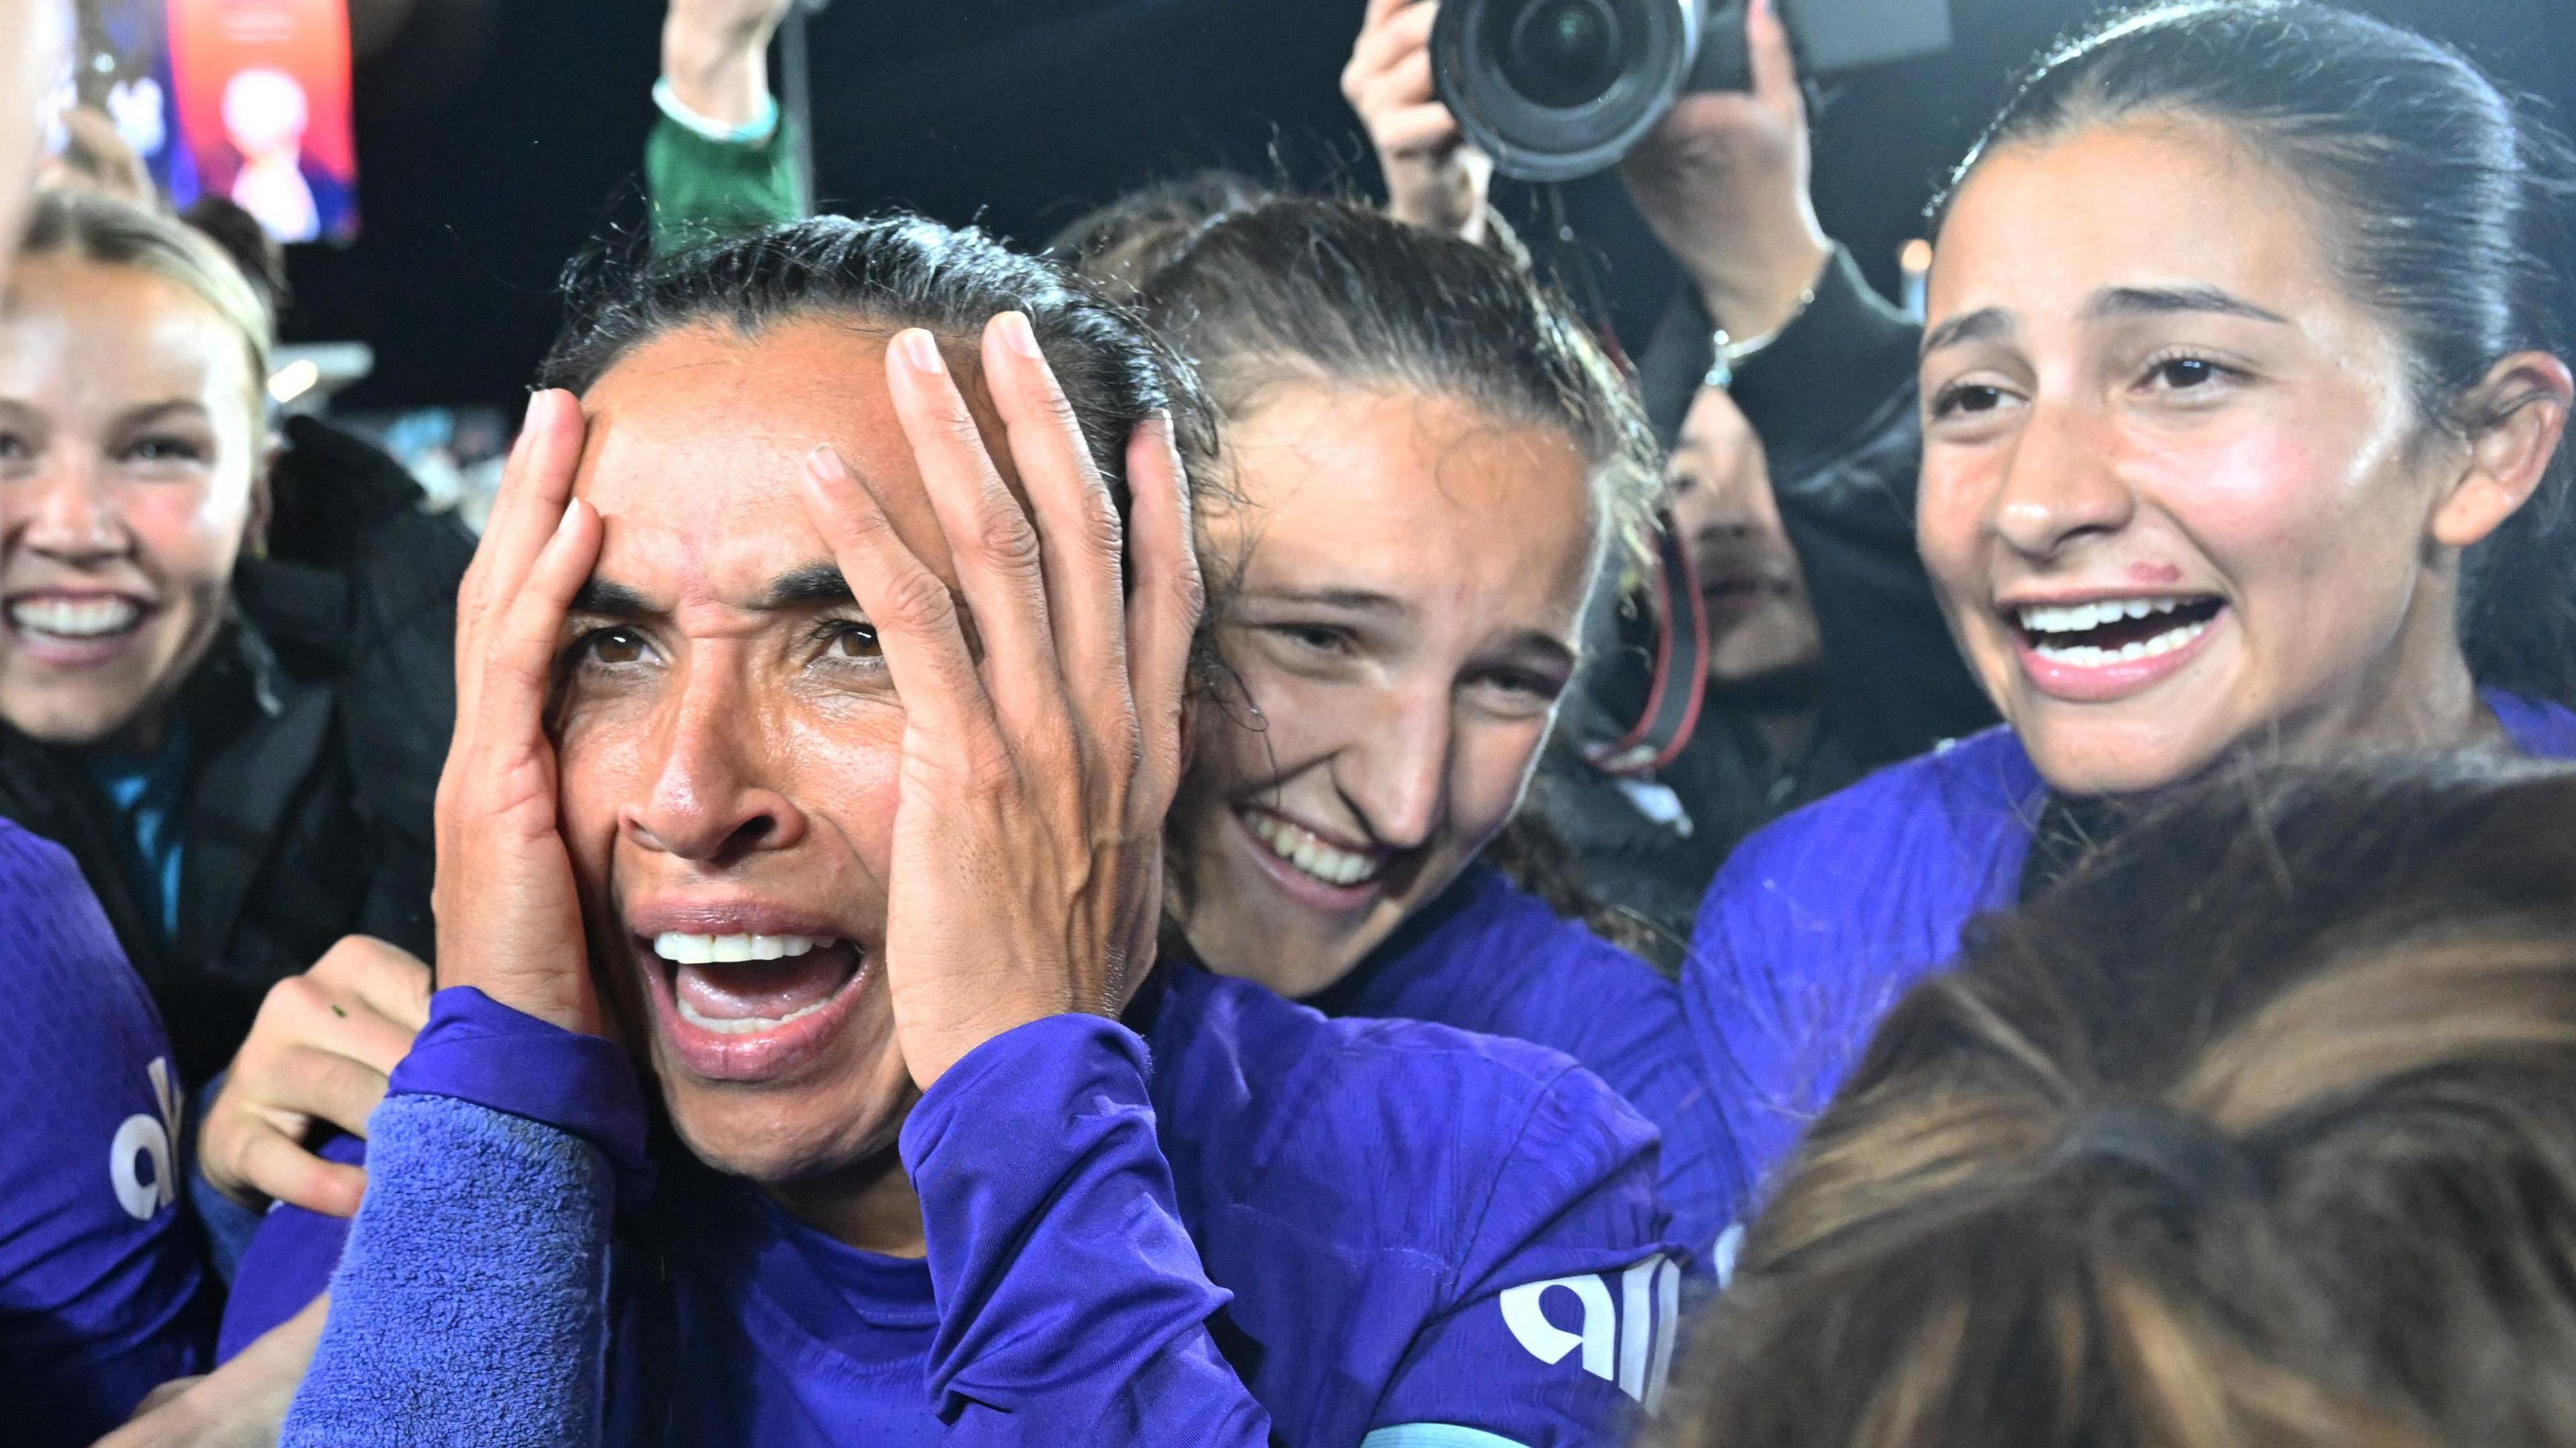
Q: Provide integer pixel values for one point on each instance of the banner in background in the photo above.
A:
(247, 99)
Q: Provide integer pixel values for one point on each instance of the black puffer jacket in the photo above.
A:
(318, 722)
(1833, 401)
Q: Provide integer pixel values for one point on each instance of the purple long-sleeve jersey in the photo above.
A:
(102, 1295)
(1238, 1222)
(1488, 957)
(1818, 924)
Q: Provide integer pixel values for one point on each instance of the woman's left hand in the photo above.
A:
(1027, 866)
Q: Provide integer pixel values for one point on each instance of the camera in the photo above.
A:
(1555, 89)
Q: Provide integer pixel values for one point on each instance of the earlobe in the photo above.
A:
(2517, 416)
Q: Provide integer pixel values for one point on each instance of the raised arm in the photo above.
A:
(720, 157)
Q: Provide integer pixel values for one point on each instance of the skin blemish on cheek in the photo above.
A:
(2155, 573)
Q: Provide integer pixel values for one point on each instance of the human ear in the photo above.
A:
(2515, 420)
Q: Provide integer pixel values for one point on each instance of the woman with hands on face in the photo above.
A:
(824, 674)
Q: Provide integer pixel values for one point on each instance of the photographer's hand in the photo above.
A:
(509, 916)
(715, 54)
(1722, 182)
(1434, 178)
(1037, 765)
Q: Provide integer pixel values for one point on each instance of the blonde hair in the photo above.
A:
(92, 227)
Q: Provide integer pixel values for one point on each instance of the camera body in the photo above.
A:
(1555, 89)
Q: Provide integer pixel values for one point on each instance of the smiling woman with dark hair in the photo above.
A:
(2244, 393)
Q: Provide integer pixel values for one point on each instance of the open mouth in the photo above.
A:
(2112, 631)
(76, 621)
(741, 985)
(1301, 854)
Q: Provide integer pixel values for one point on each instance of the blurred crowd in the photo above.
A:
(1231, 827)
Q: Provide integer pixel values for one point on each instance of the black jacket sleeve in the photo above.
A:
(1833, 400)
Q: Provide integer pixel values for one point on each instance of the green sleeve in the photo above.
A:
(698, 187)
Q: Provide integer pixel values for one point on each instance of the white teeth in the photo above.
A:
(82, 618)
(745, 1025)
(2085, 617)
(1301, 848)
(2086, 656)
(682, 949)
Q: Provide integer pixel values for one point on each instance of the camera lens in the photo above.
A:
(1562, 53)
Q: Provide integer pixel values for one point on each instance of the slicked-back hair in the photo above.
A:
(2261, 1129)
(892, 272)
(1259, 289)
(2450, 209)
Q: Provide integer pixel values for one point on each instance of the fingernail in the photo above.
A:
(824, 461)
(1017, 334)
(920, 351)
(572, 511)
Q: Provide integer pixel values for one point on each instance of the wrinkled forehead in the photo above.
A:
(697, 439)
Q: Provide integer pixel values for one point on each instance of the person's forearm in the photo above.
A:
(1046, 1200)
(470, 1304)
(722, 73)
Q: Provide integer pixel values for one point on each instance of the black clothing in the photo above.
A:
(318, 722)
(1833, 400)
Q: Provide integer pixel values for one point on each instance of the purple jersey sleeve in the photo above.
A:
(471, 1301)
(1073, 1307)
(1567, 1307)
(102, 1293)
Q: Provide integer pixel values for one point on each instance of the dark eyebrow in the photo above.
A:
(815, 584)
(1981, 325)
(612, 600)
(2170, 301)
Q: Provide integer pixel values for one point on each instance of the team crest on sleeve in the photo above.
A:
(1623, 1325)
(146, 1138)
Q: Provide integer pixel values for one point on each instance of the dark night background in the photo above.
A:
(496, 136)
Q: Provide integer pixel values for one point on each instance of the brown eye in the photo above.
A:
(855, 641)
(614, 646)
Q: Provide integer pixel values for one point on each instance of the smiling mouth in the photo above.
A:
(750, 985)
(76, 619)
(2113, 631)
(1310, 854)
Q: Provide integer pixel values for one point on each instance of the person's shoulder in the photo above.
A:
(1263, 1100)
(1509, 930)
(2541, 728)
(33, 868)
(1937, 810)
(47, 901)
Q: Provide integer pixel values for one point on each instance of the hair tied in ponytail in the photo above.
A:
(2193, 1160)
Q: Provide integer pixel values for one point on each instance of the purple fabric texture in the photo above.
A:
(1491, 958)
(103, 1296)
(1240, 1222)
(1819, 923)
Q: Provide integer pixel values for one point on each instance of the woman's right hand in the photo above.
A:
(509, 916)
(320, 1054)
(1434, 178)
